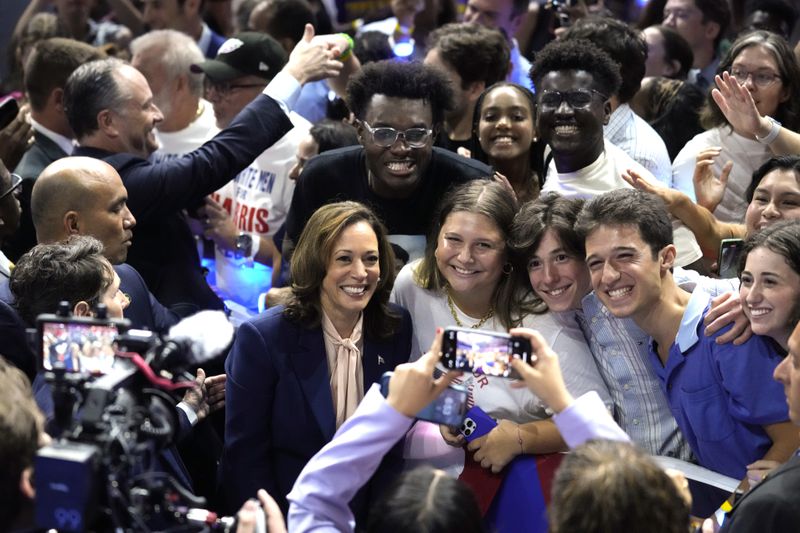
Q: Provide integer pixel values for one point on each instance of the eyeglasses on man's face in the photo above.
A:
(224, 88)
(385, 137)
(16, 180)
(576, 98)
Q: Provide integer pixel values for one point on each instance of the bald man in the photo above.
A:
(85, 196)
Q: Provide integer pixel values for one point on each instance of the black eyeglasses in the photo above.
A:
(576, 99)
(386, 137)
(15, 182)
(223, 88)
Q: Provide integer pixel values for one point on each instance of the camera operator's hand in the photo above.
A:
(248, 515)
(543, 376)
(413, 386)
(207, 395)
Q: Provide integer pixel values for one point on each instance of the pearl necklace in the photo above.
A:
(489, 314)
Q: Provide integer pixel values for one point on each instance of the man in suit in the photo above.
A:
(46, 73)
(85, 196)
(110, 108)
(773, 504)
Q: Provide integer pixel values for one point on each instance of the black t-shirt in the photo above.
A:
(341, 174)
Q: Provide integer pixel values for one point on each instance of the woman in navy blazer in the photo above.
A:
(281, 407)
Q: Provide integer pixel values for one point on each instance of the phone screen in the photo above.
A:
(78, 347)
(449, 408)
(482, 352)
(729, 252)
(8, 112)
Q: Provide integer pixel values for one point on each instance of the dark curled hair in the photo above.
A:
(783, 239)
(425, 500)
(331, 134)
(311, 257)
(476, 53)
(628, 207)
(74, 270)
(577, 54)
(550, 211)
(413, 81)
(496, 203)
(783, 162)
(626, 47)
(788, 112)
(672, 107)
(607, 486)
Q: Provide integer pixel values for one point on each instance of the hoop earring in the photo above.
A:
(508, 268)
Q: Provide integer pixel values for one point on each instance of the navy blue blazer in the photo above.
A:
(144, 311)
(163, 249)
(279, 406)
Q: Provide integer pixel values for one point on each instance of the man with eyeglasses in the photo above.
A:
(703, 23)
(396, 171)
(574, 79)
(110, 108)
(243, 216)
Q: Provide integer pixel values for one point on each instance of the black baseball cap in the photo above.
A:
(246, 54)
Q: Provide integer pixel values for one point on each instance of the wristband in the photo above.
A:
(344, 56)
(773, 133)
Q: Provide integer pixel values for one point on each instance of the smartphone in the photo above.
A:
(483, 352)
(476, 424)
(449, 408)
(730, 251)
(77, 344)
(9, 110)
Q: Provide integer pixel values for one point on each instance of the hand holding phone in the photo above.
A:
(413, 386)
(483, 352)
(543, 375)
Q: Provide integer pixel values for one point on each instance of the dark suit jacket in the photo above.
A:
(42, 152)
(163, 249)
(279, 406)
(144, 311)
(14, 343)
(772, 506)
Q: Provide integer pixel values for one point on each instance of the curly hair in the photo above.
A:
(413, 81)
(475, 52)
(625, 46)
(788, 112)
(311, 257)
(74, 270)
(577, 54)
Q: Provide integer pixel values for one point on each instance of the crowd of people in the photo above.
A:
(615, 183)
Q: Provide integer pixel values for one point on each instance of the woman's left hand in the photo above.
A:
(498, 447)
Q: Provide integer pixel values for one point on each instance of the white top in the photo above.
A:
(634, 136)
(495, 396)
(177, 143)
(604, 175)
(747, 155)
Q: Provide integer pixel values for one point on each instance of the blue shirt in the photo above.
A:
(721, 395)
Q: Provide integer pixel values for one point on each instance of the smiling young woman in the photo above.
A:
(469, 278)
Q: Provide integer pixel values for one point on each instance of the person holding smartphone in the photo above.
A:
(468, 278)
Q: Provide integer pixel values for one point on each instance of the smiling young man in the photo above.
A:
(396, 171)
(575, 79)
(723, 397)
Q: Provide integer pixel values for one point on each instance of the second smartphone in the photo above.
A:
(483, 352)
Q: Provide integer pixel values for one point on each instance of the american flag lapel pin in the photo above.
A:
(381, 361)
